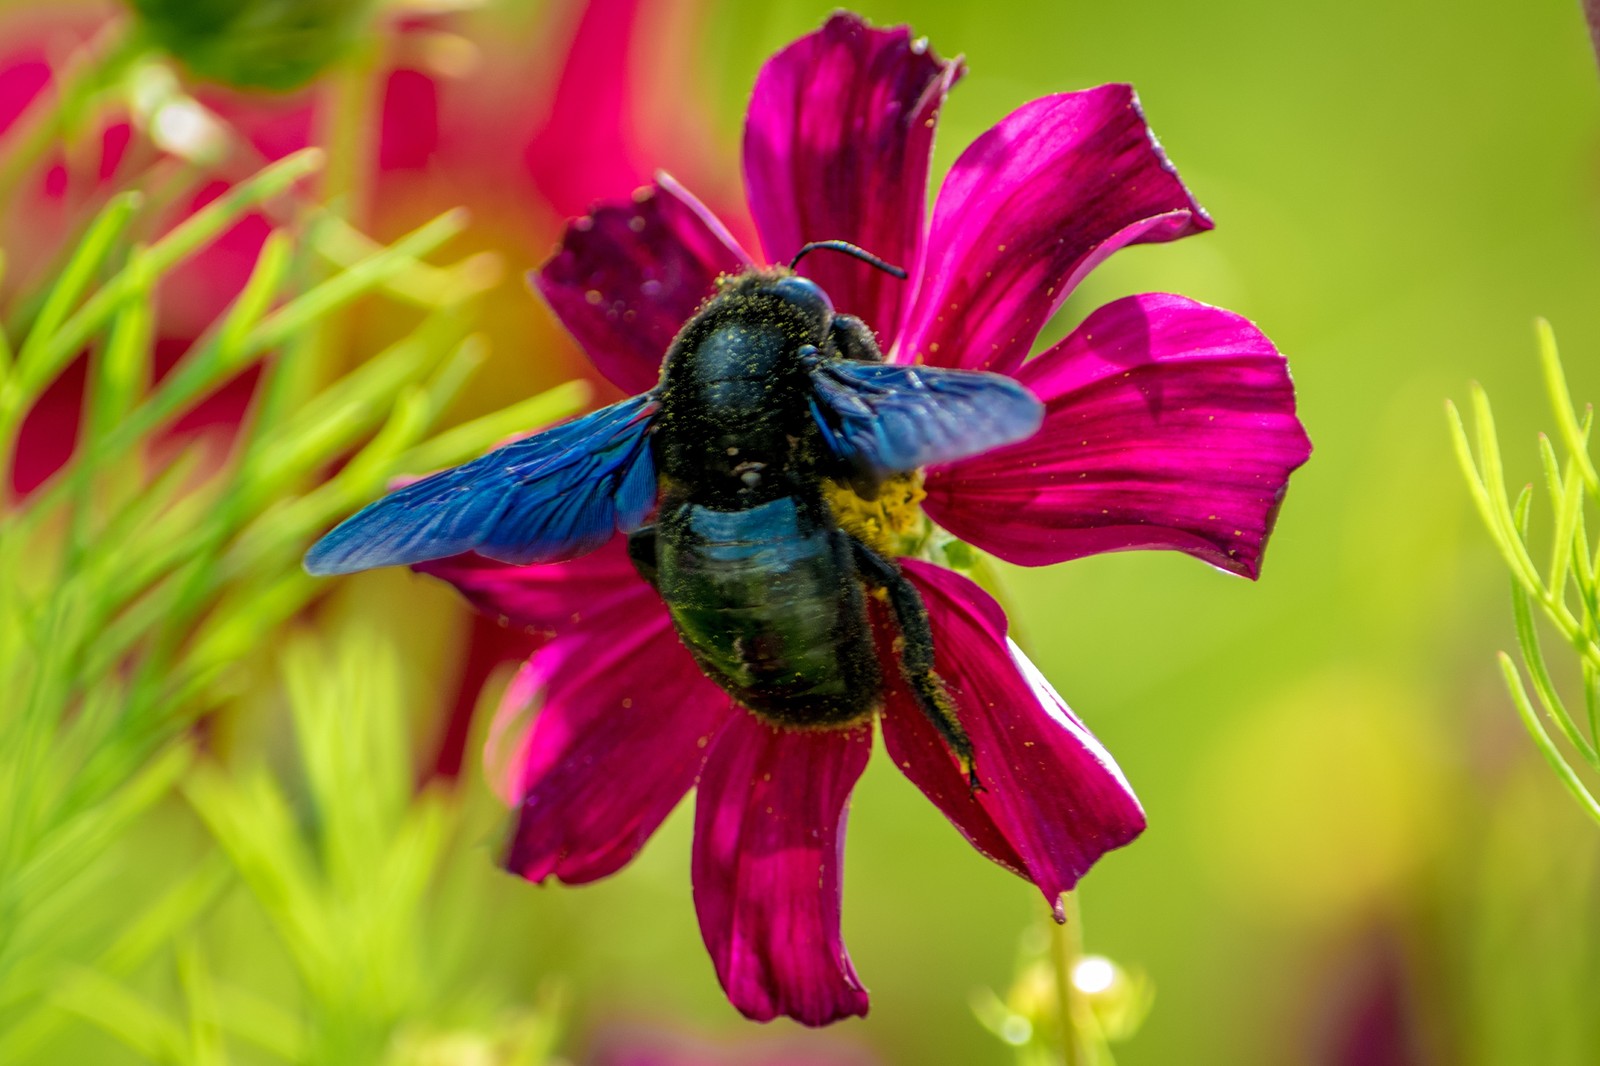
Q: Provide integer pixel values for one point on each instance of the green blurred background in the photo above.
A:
(1349, 833)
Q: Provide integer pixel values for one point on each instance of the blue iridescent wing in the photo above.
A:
(552, 496)
(882, 419)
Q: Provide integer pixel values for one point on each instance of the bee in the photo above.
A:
(767, 398)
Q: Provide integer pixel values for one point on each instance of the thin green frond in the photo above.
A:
(1555, 380)
(1566, 595)
(125, 1015)
(149, 934)
(1530, 720)
(1533, 657)
(59, 345)
(118, 635)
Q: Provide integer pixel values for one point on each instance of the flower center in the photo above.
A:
(892, 524)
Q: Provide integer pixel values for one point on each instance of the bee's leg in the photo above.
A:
(916, 653)
(642, 553)
(853, 339)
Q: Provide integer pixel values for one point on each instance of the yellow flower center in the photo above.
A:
(892, 524)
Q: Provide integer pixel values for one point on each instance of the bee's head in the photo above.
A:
(799, 296)
(806, 298)
(776, 295)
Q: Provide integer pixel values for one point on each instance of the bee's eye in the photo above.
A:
(808, 296)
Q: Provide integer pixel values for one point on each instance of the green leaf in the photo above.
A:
(59, 345)
(151, 932)
(471, 439)
(33, 370)
(128, 1017)
(205, 1046)
(1555, 381)
(1532, 656)
(1541, 739)
(366, 275)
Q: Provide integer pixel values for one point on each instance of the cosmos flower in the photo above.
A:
(1169, 424)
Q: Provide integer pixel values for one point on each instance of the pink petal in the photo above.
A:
(489, 647)
(24, 74)
(1049, 787)
(1168, 424)
(917, 749)
(629, 275)
(600, 589)
(836, 147)
(768, 858)
(1026, 212)
(623, 730)
(586, 146)
(583, 599)
(408, 137)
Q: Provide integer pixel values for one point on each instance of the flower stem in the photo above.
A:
(1083, 1040)
(1066, 945)
(349, 133)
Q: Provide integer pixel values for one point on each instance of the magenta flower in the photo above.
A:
(1168, 424)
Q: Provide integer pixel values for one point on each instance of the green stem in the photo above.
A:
(349, 134)
(1066, 947)
(1530, 720)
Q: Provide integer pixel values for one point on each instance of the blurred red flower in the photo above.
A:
(460, 117)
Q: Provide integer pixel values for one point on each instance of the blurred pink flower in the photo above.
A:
(524, 155)
(1369, 1004)
(1168, 424)
(484, 138)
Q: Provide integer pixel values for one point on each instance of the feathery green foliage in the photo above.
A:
(135, 593)
(1566, 592)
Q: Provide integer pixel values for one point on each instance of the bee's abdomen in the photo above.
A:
(768, 601)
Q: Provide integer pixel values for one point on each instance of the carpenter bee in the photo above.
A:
(766, 398)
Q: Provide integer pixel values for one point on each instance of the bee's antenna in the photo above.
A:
(851, 250)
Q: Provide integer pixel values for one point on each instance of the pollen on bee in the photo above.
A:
(892, 523)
